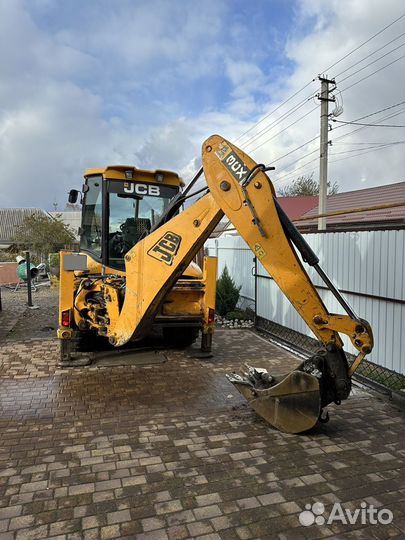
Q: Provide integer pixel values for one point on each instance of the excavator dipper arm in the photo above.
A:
(294, 402)
(239, 188)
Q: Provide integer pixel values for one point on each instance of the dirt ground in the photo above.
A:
(168, 449)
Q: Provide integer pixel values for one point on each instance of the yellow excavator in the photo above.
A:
(135, 273)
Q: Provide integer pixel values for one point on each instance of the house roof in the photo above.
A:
(295, 207)
(11, 219)
(362, 198)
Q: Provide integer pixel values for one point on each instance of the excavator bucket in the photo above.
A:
(291, 403)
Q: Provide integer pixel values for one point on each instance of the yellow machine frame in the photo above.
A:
(239, 188)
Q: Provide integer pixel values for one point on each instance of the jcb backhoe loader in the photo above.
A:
(135, 272)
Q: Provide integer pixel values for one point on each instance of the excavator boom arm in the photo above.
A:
(155, 263)
(247, 197)
(239, 188)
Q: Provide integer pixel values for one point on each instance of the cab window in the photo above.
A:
(90, 239)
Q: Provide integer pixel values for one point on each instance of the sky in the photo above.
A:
(145, 82)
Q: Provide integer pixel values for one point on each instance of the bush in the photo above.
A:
(227, 293)
(238, 315)
(53, 263)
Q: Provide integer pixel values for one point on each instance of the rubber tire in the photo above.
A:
(180, 337)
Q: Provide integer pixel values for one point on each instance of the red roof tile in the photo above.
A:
(362, 198)
(295, 207)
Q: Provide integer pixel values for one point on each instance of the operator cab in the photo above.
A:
(120, 207)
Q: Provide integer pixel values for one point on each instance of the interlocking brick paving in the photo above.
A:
(172, 451)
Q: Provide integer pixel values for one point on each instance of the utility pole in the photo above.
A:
(323, 148)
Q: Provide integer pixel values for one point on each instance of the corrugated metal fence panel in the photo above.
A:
(364, 262)
(233, 252)
(368, 262)
(387, 320)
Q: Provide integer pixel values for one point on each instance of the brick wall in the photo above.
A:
(8, 273)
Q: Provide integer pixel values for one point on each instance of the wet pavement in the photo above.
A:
(170, 450)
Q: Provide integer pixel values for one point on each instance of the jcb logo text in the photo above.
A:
(166, 249)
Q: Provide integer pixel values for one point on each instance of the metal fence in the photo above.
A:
(367, 266)
(234, 253)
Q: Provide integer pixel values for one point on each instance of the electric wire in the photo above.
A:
(277, 121)
(293, 172)
(364, 43)
(295, 149)
(368, 56)
(373, 73)
(373, 125)
(332, 153)
(368, 142)
(296, 107)
(282, 131)
(307, 84)
(387, 117)
(300, 104)
(371, 63)
(360, 154)
(373, 113)
(274, 110)
(317, 136)
(268, 128)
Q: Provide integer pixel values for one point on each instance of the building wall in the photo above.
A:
(367, 265)
(70, 218)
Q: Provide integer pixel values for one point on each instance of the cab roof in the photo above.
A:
(128, 172)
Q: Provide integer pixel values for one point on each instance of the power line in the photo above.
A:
(364, 151)
(387, 117)
(365, 42)
(361, 153)
(367, 148)
(360, 143)
(368, 56)
(371, 63)
(354, 122)
(373, 73)
(292, 173)
(373, 113)
(307, 84)
(269, 127)
(274, 110)
(280, 132)
(295, 149)
(373, 125)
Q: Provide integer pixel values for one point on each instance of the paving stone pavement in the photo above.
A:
(172, 451)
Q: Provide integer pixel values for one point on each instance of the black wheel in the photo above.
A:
(180, 337)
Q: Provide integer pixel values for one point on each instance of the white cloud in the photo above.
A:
(116, 85)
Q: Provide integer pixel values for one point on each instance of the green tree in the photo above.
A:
(305, 185)
(227, 293)
(42, 235)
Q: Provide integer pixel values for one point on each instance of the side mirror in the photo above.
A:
(73, 195)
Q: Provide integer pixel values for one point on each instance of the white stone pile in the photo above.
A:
(233, 323)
